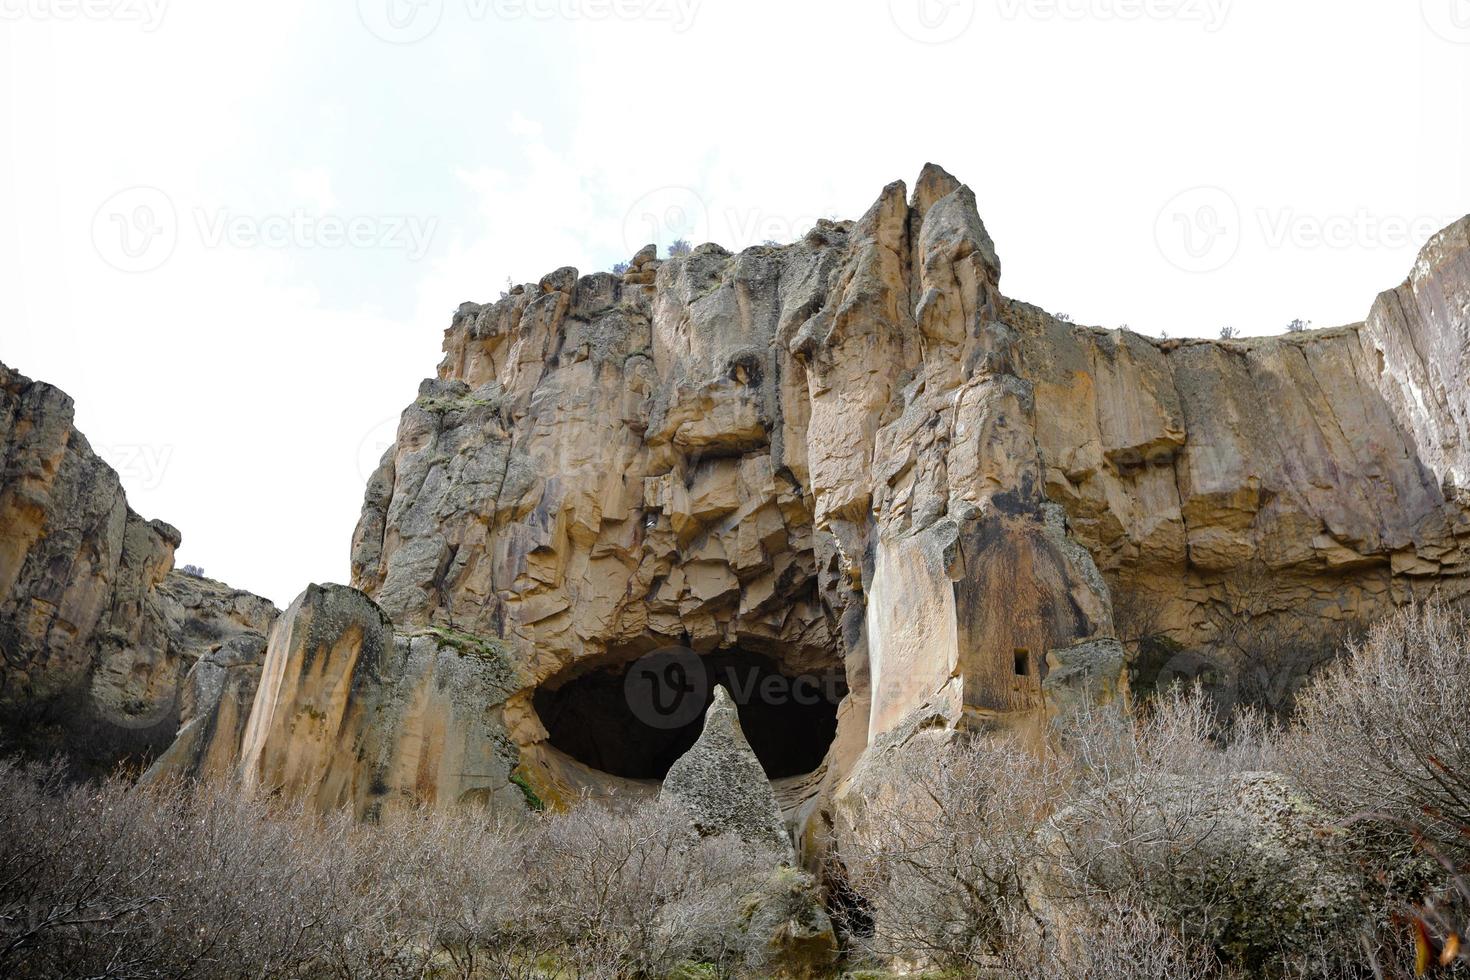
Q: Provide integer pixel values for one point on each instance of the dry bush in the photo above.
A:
(112, 880)
(1384, 731)
(941, 854)
(633, 891)
(1123, 943)
(1178, 815)
(1381, 741)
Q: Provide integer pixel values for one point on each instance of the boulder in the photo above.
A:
(721, 784)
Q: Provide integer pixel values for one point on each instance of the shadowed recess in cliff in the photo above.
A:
(635, 720)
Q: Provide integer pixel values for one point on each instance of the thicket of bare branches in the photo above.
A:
(941, 854)
(1173, 842)
(1188, 841)
(1382, 740)
(1393, 718)
(120, 881)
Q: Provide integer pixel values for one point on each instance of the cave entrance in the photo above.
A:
(635, 719)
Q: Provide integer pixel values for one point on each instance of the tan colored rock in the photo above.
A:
(350, 714)
(97, 634)
(854, 453)
(851, 456)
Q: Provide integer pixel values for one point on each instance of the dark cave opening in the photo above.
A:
(634, 720)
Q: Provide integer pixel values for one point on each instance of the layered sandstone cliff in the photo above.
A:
(856, 485)
(853, 456)
(97, 631)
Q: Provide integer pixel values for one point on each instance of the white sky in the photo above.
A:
(234, 233)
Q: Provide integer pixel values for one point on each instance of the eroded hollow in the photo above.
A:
(634, 720)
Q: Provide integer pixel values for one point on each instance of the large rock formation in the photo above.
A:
(350, 713)
(720, 782)
(96, 630)
(852, 482)
(854, 455)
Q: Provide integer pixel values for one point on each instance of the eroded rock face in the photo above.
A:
(851, 457)
(348, 713)
(97, 632)
(721, 783)
(854, 453)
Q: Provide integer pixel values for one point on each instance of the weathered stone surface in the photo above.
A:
(788, 934)
(1299, 467)
(854, 452)
(722, 785)
(96, 632)
(349, 713)
(851, 455)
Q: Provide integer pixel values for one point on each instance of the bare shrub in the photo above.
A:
(632, 891)
(1178, 815)
(941, 854)
(111, 880)
(1384, 730)
(1381, 742)
(1124, 943)
(115, 881)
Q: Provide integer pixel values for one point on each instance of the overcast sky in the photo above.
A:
(234, 233)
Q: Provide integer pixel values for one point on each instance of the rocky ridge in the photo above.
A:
(849, 459)
(97, 631)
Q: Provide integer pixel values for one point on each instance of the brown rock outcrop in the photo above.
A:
(1318, 474)
(349, 714)
(848, 465)
(853, 454)
(96, 631)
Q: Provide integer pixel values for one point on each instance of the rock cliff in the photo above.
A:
(853, 455)
(97, 632)
(851, 482)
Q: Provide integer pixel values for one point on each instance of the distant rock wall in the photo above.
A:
(96, 631)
